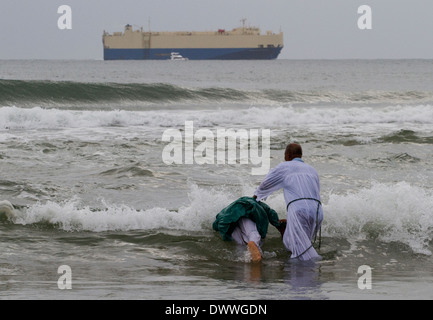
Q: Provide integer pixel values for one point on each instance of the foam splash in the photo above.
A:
(277, 116)
(71, 215)
(40, 118)
(397, 212)
(7, 210)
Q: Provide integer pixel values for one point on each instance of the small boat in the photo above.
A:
(177, 56)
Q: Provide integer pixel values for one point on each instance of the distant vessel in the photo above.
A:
(239, 44)
(176, 56)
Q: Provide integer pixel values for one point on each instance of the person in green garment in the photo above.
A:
(246, 222)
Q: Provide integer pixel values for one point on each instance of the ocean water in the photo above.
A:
(82, 160)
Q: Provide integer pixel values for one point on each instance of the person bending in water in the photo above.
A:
(246, 222)
(301, 187)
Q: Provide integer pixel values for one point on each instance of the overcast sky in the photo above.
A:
(313, 29)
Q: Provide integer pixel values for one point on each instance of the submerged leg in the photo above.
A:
(246, 233)
(256, 255)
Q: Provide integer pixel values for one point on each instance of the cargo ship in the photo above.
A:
(243, 43)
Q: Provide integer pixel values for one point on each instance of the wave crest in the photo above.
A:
(391, 213)
(55, 93)
(280, 116)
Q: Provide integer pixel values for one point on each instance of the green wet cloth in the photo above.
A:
(245, 207)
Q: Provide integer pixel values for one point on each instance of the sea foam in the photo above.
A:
(398, 212)
(275, 116)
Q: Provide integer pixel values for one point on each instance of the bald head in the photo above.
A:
(293, 150)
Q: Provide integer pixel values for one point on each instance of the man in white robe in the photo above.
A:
(300, 184)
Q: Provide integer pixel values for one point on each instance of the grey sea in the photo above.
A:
(101, 214)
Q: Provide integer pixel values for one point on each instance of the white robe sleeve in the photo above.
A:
(272, 182)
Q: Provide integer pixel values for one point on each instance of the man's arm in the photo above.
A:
(271, 183)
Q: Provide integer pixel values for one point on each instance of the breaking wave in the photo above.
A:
(392, 213)
(387, 212)
(80, 94)
(281, 116)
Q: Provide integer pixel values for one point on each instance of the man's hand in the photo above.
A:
(282, 227)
